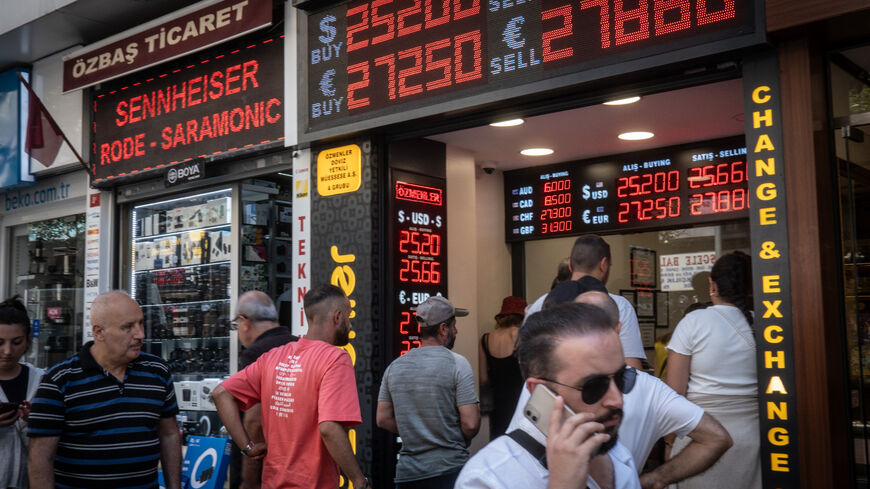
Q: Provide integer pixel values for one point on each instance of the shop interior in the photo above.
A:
(477, 159)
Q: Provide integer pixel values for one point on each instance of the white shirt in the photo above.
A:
(722, 347)
(629, 334)
(504, 464)
(650, 411)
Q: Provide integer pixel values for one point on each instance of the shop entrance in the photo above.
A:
(668, 205)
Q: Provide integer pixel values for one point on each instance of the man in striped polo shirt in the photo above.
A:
(103, 418)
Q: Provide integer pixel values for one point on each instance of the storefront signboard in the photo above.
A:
(376, 62)
(301, 238)
(344, 249)
(184, 173)
(678, 270)
(224, 100)
(186, 31)
(92, 261)
(774, 334)
(44, 193)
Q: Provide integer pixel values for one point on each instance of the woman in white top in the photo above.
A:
(711, 360)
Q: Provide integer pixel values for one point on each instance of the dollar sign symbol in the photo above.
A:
(328, 29)
(438, 221)
(401, 216)
(586, 193)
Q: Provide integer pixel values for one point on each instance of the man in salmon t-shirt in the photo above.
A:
(308, 397)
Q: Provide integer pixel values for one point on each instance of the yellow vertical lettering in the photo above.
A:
(757, 118)
(777, 411)
(775, 386)
(778, 436)
(757, 96)
(764, 143)
(779, 462)
(767, 215)
(765, 167)
(766, 191)
(772, 309)
(770, 284)
(771, 334)
(770, 358)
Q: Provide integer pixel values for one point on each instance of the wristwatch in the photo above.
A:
(248, 448)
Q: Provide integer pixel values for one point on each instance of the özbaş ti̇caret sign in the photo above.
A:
(187, 31)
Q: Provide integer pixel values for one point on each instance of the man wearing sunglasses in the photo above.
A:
(574, 351)
(653, 410)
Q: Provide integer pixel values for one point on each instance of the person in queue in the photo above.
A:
(18, 384)
(653, 410)
(307, 395)
(257, 323)
(427, 397)
(590, 257)
(712, 361)
(106, 416)
(573, 350)
(498, 366)
(563, 273)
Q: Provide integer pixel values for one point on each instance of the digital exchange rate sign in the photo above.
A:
(222, 100)
(367, 58)
(666, 187)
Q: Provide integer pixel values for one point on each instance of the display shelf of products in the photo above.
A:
(181, 276)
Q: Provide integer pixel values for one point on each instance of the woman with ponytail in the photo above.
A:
(18, 384)
(711, 361)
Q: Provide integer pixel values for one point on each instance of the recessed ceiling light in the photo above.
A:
(536, 152)
(622, 101)
(635, 135)
(509, 123)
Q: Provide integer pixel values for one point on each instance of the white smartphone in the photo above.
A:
(540, 407)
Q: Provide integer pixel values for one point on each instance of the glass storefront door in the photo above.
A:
(851, 109)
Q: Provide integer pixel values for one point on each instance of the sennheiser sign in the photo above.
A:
(184, 173)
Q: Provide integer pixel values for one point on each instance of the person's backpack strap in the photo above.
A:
(531, 445)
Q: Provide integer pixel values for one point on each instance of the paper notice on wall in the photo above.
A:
(92, 261)
(677, 271)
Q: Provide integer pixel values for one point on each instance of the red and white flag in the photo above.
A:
(44, 137)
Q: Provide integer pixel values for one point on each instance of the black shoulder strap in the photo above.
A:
(483, 343)
(531, 445)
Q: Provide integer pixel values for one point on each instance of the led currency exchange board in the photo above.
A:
(366, 58)
(666, 187)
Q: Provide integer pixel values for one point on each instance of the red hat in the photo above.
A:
(512, 305)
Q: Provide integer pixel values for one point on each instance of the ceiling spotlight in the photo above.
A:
(536, 152)
(635, 135)
(509, 123)
(623, 101)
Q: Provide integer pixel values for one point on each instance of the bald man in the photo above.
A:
(257, 322)
(106, 416)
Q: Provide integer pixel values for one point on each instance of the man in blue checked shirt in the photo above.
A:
(106, 416)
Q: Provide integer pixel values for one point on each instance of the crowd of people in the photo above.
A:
(561, 381)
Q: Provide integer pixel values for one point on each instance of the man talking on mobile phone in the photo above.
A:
(573, 350)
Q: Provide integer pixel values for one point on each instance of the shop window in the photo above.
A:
(47, 272)
(850, 99)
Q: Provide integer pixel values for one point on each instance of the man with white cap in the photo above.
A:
(428, 398)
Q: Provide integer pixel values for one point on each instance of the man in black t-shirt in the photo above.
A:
(257, 322)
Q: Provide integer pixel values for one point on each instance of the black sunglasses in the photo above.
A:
(596, 387)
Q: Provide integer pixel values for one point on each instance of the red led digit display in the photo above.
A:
(367, 57)
(665, 187)
(418, 244)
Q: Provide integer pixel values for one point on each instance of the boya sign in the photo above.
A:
(176, 175)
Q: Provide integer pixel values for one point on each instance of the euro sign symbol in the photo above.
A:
(327, 28)
(326, 86)
(586, 216)
(511, 34)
